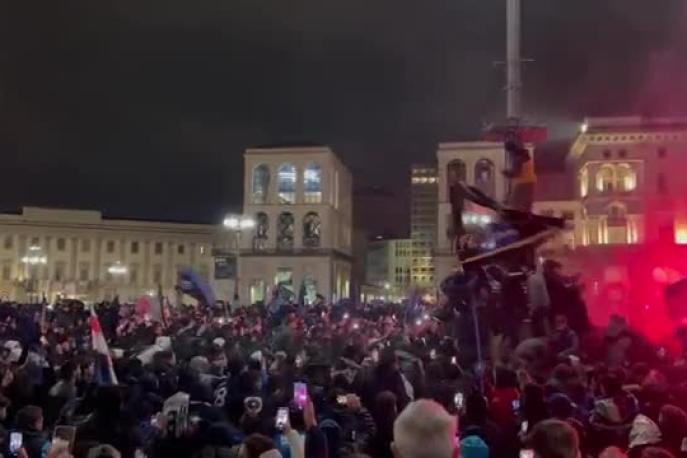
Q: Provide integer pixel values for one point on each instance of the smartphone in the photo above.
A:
(16, 442)
(342, 400)
(516, 405)
(454, 360)
(375, 355)
(527, 453)
(300, 394)
(432, 354)
(523, 427)
(282, 417)
(459, 400)
(65, 433)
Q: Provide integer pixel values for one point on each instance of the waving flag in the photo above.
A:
(197, 287)
(100, 346)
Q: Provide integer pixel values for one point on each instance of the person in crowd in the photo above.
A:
(476, 422)
(644, 433)
(554, 439)
(424, 429)
(564, 341)
(384, 414)
(672, 421)
(613, 414)
(29, 422)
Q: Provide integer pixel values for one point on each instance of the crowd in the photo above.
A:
(319, 381)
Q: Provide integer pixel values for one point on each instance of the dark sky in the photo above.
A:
(143, 108)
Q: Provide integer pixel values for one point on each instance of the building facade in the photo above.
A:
(389, 265)
(79, 254)
(423, 224)
(478, 164)
(301, 201)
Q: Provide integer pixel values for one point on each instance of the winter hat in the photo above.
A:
(473, 447)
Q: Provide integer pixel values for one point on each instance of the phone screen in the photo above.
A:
(282, 417)
(516, 405)
(342, 400)
(300, 394)
(458, 400)
(523, 427)
(16, 442)
(527, 453)
(65, 433)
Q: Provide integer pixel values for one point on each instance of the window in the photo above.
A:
(157, 274)
(110, 246)
(257, 291)
(261, 184)
(310, 287)
(8, 242)
(455, 172)
(262, 225)
(61, 244)
(134, 247)
(287, 184)
(86, 245)
(661, 183)
(7, 270)
(627, 177)
(284, 277)
(84, 271)
(622, 154)
(662, 153)
(202, 250)
(605, 178)
(133, 273)
(60, 267)
(568, 215)
(35, 241)
(311, 230)
(158, 247)
(584, 182)
(312, 182)
(484, 177)
(616, 224)
(285, 227)
(181, 249)
(607, 154)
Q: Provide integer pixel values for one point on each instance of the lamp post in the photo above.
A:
(34, 257)
(236, 224)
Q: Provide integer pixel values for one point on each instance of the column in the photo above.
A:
(73, 260)
(145, 278)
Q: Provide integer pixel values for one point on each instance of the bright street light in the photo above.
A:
(239, 222)
(35, 256)
(117, 269)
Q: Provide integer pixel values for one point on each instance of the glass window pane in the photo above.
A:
(287, 184)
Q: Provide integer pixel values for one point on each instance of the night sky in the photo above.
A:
(143, 108)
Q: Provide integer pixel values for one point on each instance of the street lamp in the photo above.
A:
(236, 224)
(34, 257)
(117, 269)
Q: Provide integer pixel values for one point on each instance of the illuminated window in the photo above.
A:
(484, 177)
(584, 182)
(312, 181)
(287, 184)
(605, 178)
(284, 277)
(616, 230)
(627, 177)
(261, 184)
(257, 291)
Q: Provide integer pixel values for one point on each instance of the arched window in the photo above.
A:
(605, 178)
(285, 231)
(261, 184)
(627, 177)
(287, 184)
(455, 172)
(584, 182)
(262, 226)
(312, 229)
(484, 177)
(312, 182)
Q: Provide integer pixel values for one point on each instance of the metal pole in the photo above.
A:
(237, 244)
(513, 59)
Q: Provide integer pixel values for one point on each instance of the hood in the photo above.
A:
(644, 432)
(473, 447)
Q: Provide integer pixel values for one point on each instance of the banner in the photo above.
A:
(225, 267)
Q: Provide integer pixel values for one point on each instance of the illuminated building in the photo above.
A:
(388, 266)
(301, 201)
(80, 254)
(423, 223)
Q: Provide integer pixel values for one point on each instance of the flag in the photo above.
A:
(197, 287)
(100, 347)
